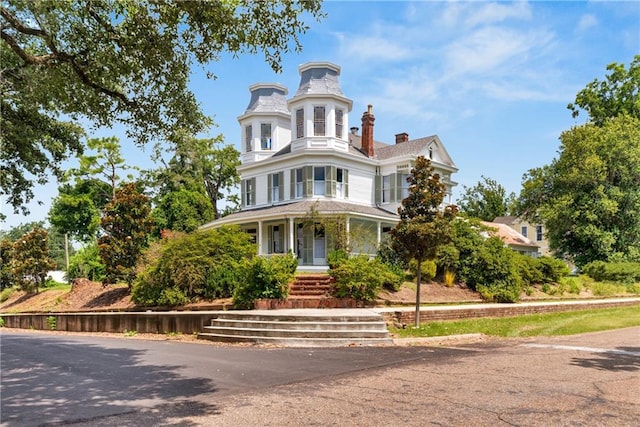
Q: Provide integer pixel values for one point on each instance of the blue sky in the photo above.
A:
(491, 79)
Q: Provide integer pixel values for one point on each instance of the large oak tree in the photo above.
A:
(109, 61)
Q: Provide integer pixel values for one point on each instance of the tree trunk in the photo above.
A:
(418, 280)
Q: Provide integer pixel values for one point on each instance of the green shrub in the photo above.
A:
(335, 257)
(51, 321)
(427, 269)
(493, 272)
(622, 272)
(447, 258)
(528, 269)
(552, 269)
(362, 278)
(6, 293)
(87, 264)
(572, 284)
(203, 264)
(1, 322)
(265, 278)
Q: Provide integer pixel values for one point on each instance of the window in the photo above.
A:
(318, 121)
(299, 123)
(404, 185)
(276, 240)
(539, 233)
(386, 189)
(523, 230)
(341, 183)
(253, 233)
(249, 191)
(298, 184)
(248, 136)
(265, 136)
(275, 187)
(339, 115)
(318, 181)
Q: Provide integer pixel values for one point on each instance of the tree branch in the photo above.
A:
(26, 57)
(19, 26)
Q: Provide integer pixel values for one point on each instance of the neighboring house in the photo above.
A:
(534, 232)
(300, 154)
(513, 239)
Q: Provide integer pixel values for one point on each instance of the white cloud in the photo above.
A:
(498, 12)
(587, 21)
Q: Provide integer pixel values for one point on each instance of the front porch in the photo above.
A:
(312, 229)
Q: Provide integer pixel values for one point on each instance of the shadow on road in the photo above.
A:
(68, 388)
(623, 359)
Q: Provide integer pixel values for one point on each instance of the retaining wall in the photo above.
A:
(407, 316)
(184, 322)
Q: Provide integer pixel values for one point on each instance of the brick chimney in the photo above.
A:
(367, 131)
(402, 137)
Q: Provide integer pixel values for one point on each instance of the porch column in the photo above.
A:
(259, 237)
(347, 229)
(379, 232)
(292, 245)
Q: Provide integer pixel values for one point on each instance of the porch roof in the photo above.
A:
(301, 209)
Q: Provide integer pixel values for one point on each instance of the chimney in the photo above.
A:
(354, 130)
(367, 131)
(402, 137)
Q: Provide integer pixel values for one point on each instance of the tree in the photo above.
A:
(55, 238)
(589, 197)
(105, 165)
(184, 210)
(423, 226)
(6, 255)
(486, 200)
(113, 61)
(201, 162)
(31, 261)
(76, 211)
(127, 225)
(618, 95)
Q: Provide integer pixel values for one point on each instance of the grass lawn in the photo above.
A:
(565, 323)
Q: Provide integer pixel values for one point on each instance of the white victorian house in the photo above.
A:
(300, 155)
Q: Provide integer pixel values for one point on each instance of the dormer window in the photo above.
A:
(339, 123)
(318, 121)
(265, 136)
(248, 136)
(300, 123)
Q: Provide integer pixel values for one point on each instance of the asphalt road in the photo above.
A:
(591, 379)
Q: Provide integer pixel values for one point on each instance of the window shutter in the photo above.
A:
(269, 188)
(345, 183)
(307, 181)
(243, 195)
(399, 187)
(378, 189)
(292, 182)
(280, 186)
(330, 181)
(253, 191)
(392, 185)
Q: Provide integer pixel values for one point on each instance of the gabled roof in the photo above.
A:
(301, 209)
(415, 147)
(508, 220)
(508, 235)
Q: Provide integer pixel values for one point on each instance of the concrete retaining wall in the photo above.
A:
(184, 322)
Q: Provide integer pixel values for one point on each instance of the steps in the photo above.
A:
(306, 285)
(300, 328)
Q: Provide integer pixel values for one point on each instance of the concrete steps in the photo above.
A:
(300, 328)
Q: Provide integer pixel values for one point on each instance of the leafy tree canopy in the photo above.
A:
(31, 261)
(486, 200)
(124, 61)
(618, 94)
(589, 197)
